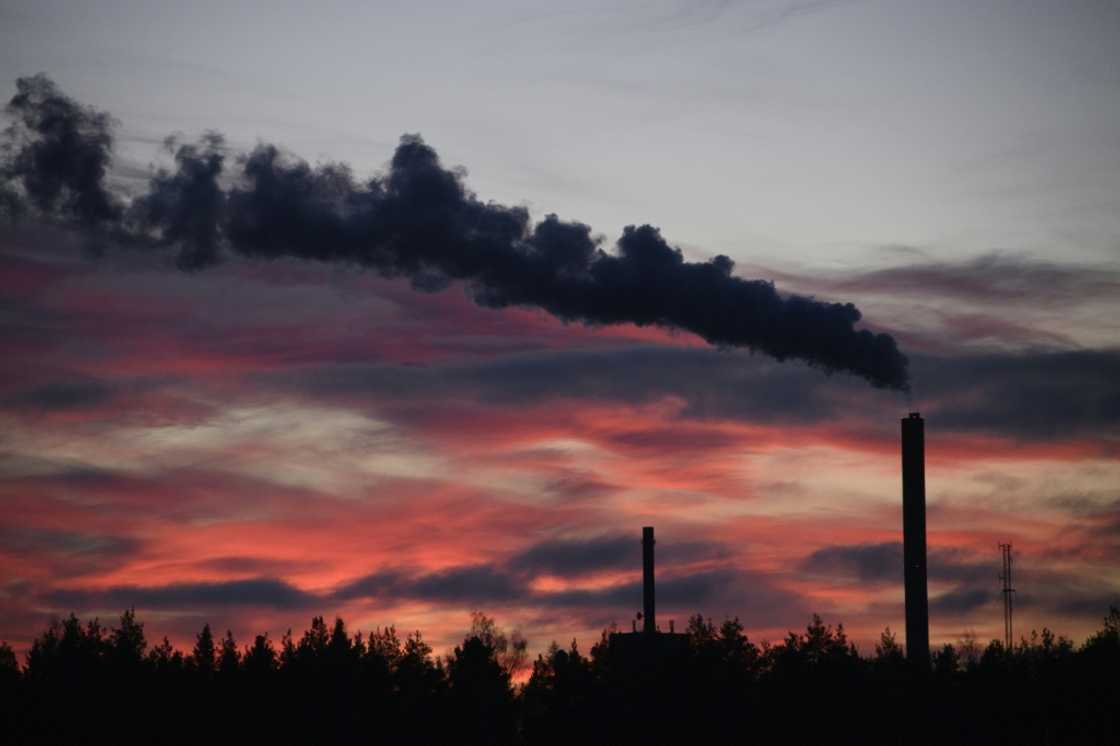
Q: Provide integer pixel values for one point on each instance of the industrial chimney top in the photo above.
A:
(649, 644)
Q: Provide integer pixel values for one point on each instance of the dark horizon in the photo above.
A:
(84, 682)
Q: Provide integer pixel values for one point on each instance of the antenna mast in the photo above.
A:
(1007, 590)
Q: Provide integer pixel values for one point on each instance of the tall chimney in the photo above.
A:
(649, 623)
(914, 538)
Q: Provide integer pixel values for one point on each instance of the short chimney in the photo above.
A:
(649, 622)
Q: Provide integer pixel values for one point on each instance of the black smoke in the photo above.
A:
(418, 221)
(59, 152)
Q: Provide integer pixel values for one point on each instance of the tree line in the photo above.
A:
(84, 683)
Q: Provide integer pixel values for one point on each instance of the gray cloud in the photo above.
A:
(577, 557)
(882, 563)
(713, 383)
(1084, 605)
(961, 601)
(1033, 395)
(753, 597)
(715, 590)
(510, 580)
(1029, 395)
(873, 563)
(974, 581)
(64, 395)
(472, 584)
(692, 590)
(88, 546)
(1011, 301)
(264, 592)
(991, 279)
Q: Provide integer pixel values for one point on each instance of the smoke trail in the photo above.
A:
(59, 152)
(418, 221)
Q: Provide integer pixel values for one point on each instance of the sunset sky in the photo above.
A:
(261, 440)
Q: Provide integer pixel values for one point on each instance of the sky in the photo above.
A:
(265, 437)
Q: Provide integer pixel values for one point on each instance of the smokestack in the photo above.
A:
(649, 623)
(914, 538)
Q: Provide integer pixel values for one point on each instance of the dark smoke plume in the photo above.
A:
(418, 221)
(59, 152)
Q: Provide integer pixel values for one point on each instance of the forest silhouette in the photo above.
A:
(84, 683)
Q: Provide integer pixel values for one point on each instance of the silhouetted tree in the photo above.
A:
(229, 660)
(259, 660)
(12, 707)
(203, 658)
(1104, 645)
(313, 645)
(287, 651)
(83, 684)
(558, 700)
(888, 653)
(68, 664)
(511, 651)
(126, 642)
(1098, 664)
(946, 662)
(722, 670)
(9, 666)
(480, 695)
(339, 645)
(166, 662)
(420, 682)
